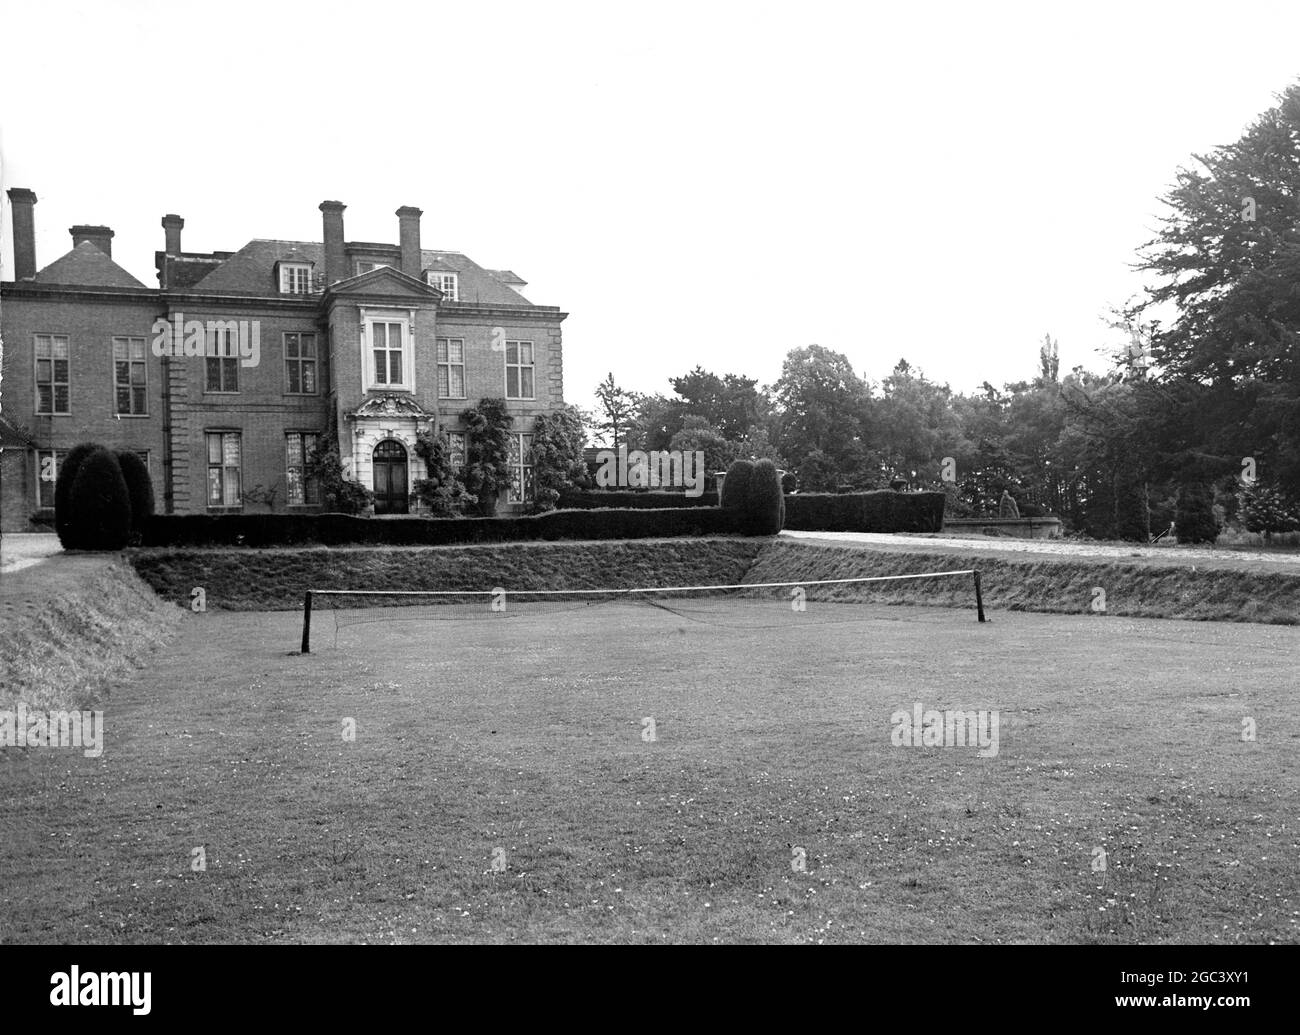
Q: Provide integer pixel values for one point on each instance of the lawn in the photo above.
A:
(501, 786)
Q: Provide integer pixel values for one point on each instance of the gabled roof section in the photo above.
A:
(86, 266)
(476, 284)
(251, 270)
(385, 281)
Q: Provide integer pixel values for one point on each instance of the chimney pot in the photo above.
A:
(408, 226)
(100, 236)
(336, 260)
(22, 201)
(173, 224)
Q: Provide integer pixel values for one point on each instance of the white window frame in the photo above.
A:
(447, 364)
(521, 470)
(224, 468)
(301, 361)
(58, 456)
(50, 340)
(371, 265)
(406, 319)
(308, 487)
(520, 367)
(129, 345)
(447, 283)
(295, 275)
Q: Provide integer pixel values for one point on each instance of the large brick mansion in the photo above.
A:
(224, 375)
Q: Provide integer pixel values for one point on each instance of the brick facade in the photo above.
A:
(89, 300)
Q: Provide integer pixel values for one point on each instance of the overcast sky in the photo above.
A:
(701, 182)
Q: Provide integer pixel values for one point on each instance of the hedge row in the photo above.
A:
(635, 500)
(880, 511)
(341, 529)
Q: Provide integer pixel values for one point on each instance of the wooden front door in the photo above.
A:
(391, 495)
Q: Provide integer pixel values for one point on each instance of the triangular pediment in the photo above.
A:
(387, 282)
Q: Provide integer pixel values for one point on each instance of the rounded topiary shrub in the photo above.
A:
(64, 526)
(735, 487)
(101, 504)
(788, 481)
(766, 500)
(139, 488)
(1194, 520)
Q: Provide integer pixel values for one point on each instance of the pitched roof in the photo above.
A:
(86, 266)
(476, 283)
(251, 271)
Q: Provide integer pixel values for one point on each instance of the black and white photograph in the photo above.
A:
(573, 474)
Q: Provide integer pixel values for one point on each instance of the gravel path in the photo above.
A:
(1059, 548)
(19, 550)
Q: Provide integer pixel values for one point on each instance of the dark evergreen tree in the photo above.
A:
(1194, 520)
(139, 487)
(64, 524)
(101, 503)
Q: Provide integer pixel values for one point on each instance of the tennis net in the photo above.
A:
(810, 600)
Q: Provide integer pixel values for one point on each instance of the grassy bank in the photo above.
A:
(1056, 586)
(267, 580)
(66, 649)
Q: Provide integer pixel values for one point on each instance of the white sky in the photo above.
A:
(704, 182)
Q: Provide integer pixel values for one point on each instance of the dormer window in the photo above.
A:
(366, 265)
(447, 283)
(295, 278)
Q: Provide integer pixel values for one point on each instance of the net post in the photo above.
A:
(979, 598)
(306, 623)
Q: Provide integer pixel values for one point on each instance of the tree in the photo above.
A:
(617, 409)
(64, 525)
(1227, 259)
(822, 408)
(766, 500)
(1194, 520)
(736, 486)
(442, 491)
(139, 487)
(487, 449)
(697, 434)
(1265, 509)
(338, 493)
(558, 467)
(101, 503)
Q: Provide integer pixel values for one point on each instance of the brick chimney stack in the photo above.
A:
(336, 260)
(408, 226)
(173, 224)
(22, 200)
(100, 236)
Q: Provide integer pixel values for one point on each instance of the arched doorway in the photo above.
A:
(391, 494)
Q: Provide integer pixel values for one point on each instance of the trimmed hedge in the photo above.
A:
(881, 511)
(101, 504)
(256, 530)
(633, 500)
(63, 523)
(139, 487)
(735, 486)
(766, 500)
